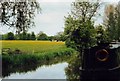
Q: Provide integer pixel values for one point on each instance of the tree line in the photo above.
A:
(32, 36)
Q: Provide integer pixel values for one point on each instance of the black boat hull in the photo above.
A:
(100, 74)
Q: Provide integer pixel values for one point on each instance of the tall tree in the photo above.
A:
(18, 14)
(79, 27)
(118, 20)
(110, 21)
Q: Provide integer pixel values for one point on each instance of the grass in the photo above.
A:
(34, 47)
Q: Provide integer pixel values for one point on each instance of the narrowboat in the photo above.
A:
(101, 63)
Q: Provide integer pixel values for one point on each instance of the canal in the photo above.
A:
(58, 68)
(54, 71)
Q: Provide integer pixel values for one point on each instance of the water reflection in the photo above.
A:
(8, 70)
(55, 71)
(52, 69)
(73, 71)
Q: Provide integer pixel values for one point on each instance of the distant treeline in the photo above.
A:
(32, 36)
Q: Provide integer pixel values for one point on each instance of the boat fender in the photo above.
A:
(102, 55)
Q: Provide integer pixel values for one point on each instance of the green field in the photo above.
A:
(34, 47)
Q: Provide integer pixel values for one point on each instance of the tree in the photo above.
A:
(23, 36)
(59, 36)
(42, 36)
(110, 21)
(28, 36)
(33, 36)
(50, 38)
(18, 14)
(102, 34)
(4, 36)
(10, 36)
(118, 20)
(79, 27)
(0, 36)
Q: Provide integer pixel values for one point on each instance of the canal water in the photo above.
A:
(55, 71)
(58, 68)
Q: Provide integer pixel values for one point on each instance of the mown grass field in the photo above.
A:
(34, 47)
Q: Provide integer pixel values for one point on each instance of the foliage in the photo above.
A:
(18, 14)
(0, 36)
(8, 36)
(79, 27)
(29, 36)
(33, 37)
(102, 34)
(42, 36)
(21, 36)
(50, 38)
(60, 36)
(73, 69)
(118, 21)
(27, 59)
(112, 21)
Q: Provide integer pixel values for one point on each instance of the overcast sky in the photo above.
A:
(51, 20)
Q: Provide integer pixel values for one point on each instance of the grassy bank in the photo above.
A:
(31, 59)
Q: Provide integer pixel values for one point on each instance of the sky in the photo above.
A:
(51, 19)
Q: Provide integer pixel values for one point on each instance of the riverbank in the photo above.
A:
(24, 63)
(19, 62)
